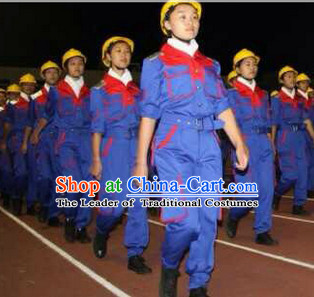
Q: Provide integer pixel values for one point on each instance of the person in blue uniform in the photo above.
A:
(250, 105)
(303, 92)
(28, 86)
(290, 122)
(42, 140)
(72, 119)
(16, 120)
(183, 91)
(5, 162)
(115, 118)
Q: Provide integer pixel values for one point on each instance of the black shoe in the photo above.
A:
(231, 227)
(69, 230)
(168, 282)
(276, 201)
(137, 264)
(6, 201)
(31, 211)
(299, 210)
(199, 292)
(54, 222)
(100, 245)
(17, 207)
(82, 236)
(265, 239)
(43, 214)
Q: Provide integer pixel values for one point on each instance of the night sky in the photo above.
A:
(280, 33)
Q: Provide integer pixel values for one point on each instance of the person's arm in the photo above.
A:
(275, 120)
(309, 128)
(36, 132)
(96, 168)
(232, 130)
(6, 130)
(150, 110)
(146, 131)
(27, 133)
(98, 129)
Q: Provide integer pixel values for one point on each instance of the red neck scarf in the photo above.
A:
(256, 95)
(66, 90)
(286, 99)
(115, 86)
(172, 56)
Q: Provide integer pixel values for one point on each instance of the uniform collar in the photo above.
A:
(47, 87)
(305, 95)
(75, 84)
(289, 93)
(24, 96)
(189, 49)
(125, 78)
(249, 84)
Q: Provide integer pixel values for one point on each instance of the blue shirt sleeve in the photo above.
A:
(9, 116)
(151, 78)
(221, 103)
(97, 107)
(276, 111)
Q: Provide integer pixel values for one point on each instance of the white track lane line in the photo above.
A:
(290, 218)
(86, 270)
(255, 251)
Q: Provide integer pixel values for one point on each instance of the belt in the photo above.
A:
(256, 130)
(127, 133)
(294, 127)
(203, 123)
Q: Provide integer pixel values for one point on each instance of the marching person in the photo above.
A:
(70, 101)
(251, 107)
(42, 139)
(183, 90)
(28, 87)
(290, 119)
(16, 120)
(304, 91)
(115, 119)
(232, 77)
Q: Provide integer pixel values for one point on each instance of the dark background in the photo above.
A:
(280, 33)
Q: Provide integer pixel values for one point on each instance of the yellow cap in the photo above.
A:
(27, 78)
(232, 74)
(14, 88)
(2, 90)
(303, 76)
(71, 53)
(243, 54)
(167, 5)
(111, 40)
(274, 93)
(48, 65)
(284, 70)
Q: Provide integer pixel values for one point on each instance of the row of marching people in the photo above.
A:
(109, 131)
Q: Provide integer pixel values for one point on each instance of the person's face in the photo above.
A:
(303, 85)
(2, 98)
(13, 96)
(248, 68)
(76, 67)
(288, 79)
(120, 55)
(183, 22)
(28, 88)
(51, 76)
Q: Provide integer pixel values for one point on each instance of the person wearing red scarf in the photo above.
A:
(183, 91)
(251, 107)
(69, 103)
(304, 94)
(290, 121)
(115, 119)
